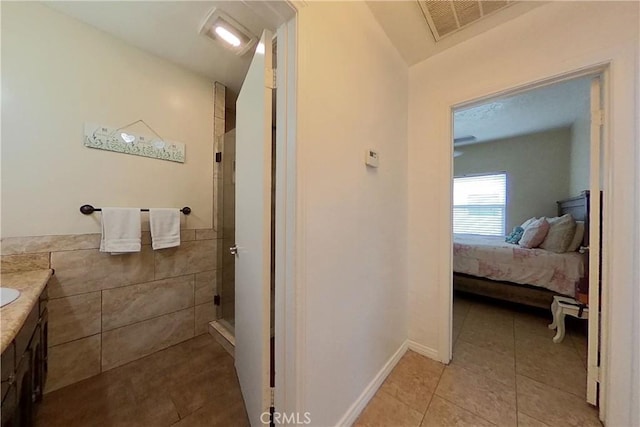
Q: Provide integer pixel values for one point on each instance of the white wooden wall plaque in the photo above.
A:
(120, 141)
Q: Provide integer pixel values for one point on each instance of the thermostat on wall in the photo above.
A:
(371, 158)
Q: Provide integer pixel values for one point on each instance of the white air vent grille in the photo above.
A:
(448, 16)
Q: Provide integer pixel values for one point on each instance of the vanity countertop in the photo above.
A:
(12, 316)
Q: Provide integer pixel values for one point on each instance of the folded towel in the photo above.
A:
(120, 230)
(165, 228)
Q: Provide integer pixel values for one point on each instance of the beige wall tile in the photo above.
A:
(74, 317)
(206, 234)
(34, 244)
(205, 313)
(206, 286)
(132, 342)
(24, 262)
(73, 361)
(187, 235)
(131, 304)
(189, 257)
(90, 270)
(145, 238)
(219, 100)
(218, 126)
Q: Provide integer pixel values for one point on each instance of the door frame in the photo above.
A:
(286, 324)
(601, 70)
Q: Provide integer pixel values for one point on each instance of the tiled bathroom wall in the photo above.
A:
(106, 310)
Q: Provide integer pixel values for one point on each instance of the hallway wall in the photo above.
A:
(352, 96)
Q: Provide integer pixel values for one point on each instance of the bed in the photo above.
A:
(491, 267)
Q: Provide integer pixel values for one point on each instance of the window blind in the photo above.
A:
(479, 204)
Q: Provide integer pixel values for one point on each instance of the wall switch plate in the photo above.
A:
(371, 158)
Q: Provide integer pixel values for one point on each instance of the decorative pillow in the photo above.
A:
(528, 222)
(561, 232)
(515, 235)
(577, 237)
(535, 233)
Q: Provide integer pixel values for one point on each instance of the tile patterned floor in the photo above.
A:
(505, 371)
(190, 384)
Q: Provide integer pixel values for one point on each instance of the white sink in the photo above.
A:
(8, 295)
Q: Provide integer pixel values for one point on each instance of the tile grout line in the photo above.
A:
(432, 396)
(465, 409)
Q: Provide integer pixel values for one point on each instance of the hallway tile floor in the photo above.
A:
(505, 371)
(191, 384)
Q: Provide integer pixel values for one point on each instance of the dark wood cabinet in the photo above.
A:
(24, 368)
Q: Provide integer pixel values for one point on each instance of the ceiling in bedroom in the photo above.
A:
(549, 107)
(169, 29)
(406, 26)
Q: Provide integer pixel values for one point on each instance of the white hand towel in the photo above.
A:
(165, 228)
(120, 230)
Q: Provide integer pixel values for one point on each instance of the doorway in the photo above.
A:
(502, 175)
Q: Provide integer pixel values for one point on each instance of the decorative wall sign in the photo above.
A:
(116, 139)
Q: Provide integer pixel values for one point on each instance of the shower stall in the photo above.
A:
(226, 288)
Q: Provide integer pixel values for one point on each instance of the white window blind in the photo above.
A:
(479, 204)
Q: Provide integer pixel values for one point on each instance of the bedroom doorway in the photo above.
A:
(527, 224)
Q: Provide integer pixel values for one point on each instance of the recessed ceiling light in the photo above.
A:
(225, 30)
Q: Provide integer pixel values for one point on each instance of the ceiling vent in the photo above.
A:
(445, 17)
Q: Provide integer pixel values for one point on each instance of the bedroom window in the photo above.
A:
(479, 204)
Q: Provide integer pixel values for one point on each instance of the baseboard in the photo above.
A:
(423, 350)
(356, 408)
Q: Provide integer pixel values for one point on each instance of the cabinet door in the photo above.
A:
(37, 370)
(9, 404)
(8, 365)
(24, 383)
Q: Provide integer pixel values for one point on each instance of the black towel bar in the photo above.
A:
(88, 209)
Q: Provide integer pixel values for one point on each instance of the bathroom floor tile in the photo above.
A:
(189, 384)
(413, 380)
(386, 410)
(505, 370)
(443, 413)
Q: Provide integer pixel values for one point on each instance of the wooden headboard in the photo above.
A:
(578, 207)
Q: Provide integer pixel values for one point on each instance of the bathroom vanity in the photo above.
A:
(24, 346)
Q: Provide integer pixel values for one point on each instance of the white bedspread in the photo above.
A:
(493, 258)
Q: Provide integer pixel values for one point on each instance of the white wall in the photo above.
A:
(352, 95)
(538, 169)
(548, 41)
(580, 140)
(58, 73)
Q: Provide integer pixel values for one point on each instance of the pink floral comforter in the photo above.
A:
(493, 258)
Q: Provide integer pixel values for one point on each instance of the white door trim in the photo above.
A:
(446, 294)
(288, 334)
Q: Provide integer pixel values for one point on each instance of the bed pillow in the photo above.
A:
(577, 237)
(528, 222)
(535, 233)
(515, 236)
(561, 232)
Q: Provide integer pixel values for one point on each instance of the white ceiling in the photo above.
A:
(549, 107)
(169, 29)
(406, 27)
